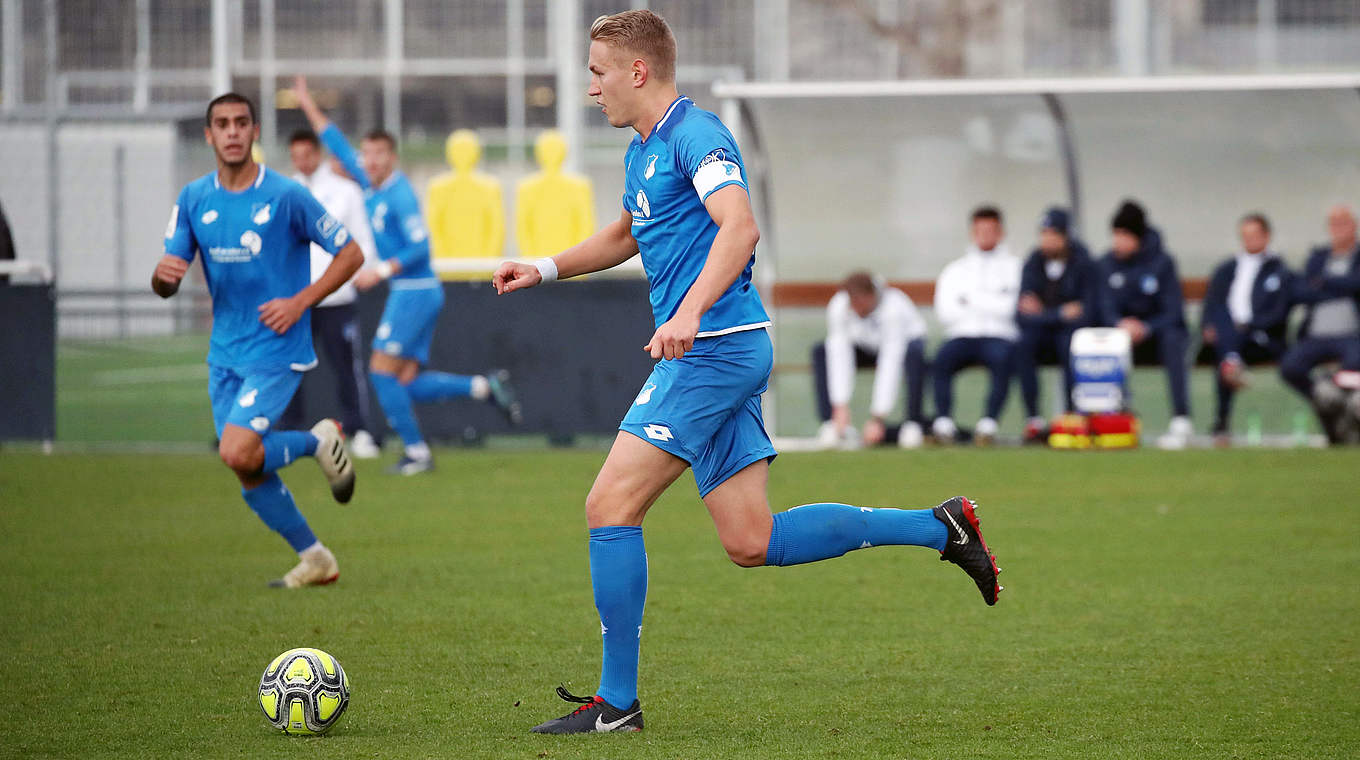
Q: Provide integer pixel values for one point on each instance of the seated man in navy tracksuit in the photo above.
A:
(1056, 286)
(1138, 291)
(1245, 312)
(1330, 287)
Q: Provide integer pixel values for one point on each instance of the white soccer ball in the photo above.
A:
(304, 691)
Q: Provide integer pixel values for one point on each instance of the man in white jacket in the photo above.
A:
(335, 321)
(869, 324)
(975, 301)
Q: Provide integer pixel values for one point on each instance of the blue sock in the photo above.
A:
(821, 531)
(274, 504)
(396, 404)
(618, 572)
(283, 447)
(439, 386)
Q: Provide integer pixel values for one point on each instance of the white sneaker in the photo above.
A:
(362, 446)
(827, 438)
(944, 430)
(909, 436)
(334, 460)
(985, 432)
(317, 568)
(1177, 434)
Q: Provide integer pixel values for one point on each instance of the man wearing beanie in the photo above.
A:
(1139, 292)
(975, 300)
(1056, 285)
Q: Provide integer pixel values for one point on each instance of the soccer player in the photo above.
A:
(402, 342)
(686, 209)
(335, 321)
(253, 228)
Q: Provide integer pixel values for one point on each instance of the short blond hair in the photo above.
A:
(642, 33)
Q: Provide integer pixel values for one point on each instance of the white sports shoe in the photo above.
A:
(1177, 434)
(334, 460)
(944, 430)
(985, 432)
(317, 568)
(827, 437)
(910, 436)
(362, 446)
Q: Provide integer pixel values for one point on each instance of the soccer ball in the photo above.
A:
(304, 691)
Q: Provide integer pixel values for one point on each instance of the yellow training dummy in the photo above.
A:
(553, 210)
(464, 208)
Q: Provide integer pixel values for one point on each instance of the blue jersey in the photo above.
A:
(256, 246)
(667, 177)
(394, 213)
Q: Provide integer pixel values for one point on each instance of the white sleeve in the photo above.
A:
(948, 291)
(840, 354)
(913, 324)
(892, 352)
(356, 221)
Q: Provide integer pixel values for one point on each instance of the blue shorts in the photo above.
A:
(705, 406)
(408, 320)
(253, 401)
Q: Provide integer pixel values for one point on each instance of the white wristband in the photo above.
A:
(547, 268)
(384, 269)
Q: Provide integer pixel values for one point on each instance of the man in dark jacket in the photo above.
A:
(1055, 299)
(1139, 292)
(1245, 312)
(1330, 287)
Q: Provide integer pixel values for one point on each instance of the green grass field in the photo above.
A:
(1200, 604)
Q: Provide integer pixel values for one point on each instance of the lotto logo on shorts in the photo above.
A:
(658, 432)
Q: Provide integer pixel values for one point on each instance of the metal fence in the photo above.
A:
(100, 100)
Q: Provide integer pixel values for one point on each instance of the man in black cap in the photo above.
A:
(1139, 292)
(1056, 284)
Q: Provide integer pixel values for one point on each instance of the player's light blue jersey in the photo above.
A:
(394, 213)
(256, 246)
(667, 177)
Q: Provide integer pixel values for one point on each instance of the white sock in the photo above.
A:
(481, 387)
(315, 547)
(418, 451)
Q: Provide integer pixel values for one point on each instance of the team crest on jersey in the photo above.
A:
(379, 220)
(651, 166)
(1150, 284)
(250, 240)
(1117, 280)
(259, 213)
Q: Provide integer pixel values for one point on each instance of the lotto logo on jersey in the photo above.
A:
(658, 432)
(415, 229)
(327, 225)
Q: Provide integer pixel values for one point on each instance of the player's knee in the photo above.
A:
(240, 457)
(747, 550)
